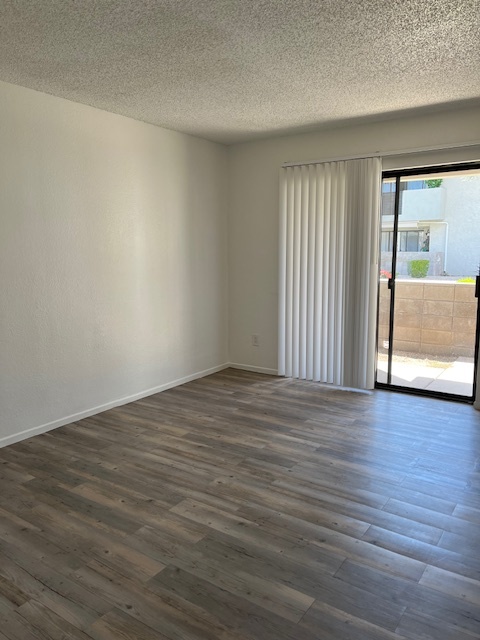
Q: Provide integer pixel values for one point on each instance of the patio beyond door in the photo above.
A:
(429, 281)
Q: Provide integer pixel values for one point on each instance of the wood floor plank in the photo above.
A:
(335, 624)
(248, 619)
(469, 544)
(14, 627)
(309, 580)
(332, 541)
(442, 522)
(449, 607)
(117, 624)
(454, 561)
(159, 609)
(90, 540)
(313, 508)
(447, 582)
(74, 605)
(46, 621)
(246, 507)
(282, 599)
(416, 625)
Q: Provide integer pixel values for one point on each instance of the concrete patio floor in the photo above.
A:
(455, 376)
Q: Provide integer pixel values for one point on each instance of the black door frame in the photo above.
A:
(398, 175)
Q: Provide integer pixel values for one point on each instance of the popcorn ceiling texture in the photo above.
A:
(232, 70)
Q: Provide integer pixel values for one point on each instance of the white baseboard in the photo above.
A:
(251, 367)
(49, 426)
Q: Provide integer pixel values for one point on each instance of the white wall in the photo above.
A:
(253, 211)
(113, 259)
(462, 213)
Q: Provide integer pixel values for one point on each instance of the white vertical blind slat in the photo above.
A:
(333, 306)
(339, 271)
(296, 271)
(312, 219)
(289, 277)
(282, 273)
(375, 179)
(318, 284)
(325, 347)
(303, 274)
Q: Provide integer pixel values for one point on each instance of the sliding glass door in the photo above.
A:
(429, 281)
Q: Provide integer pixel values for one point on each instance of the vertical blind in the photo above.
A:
(329, 226)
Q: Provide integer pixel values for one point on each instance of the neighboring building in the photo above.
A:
(438, 223)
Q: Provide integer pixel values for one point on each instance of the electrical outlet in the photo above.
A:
(255, 340)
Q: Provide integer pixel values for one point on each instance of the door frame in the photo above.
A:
(398, 174)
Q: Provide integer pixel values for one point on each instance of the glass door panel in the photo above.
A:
(429, 259)
(385, 279)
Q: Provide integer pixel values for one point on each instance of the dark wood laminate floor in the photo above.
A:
(243, 506)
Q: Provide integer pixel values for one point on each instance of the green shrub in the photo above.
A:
(433, 183)
(467, 280)
(418, 268)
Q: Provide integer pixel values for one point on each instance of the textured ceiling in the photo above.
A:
(231, 70)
